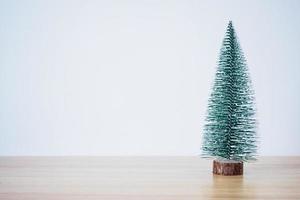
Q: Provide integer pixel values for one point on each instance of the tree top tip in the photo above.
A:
(230, 26)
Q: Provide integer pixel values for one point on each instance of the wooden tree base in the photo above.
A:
(228, 167)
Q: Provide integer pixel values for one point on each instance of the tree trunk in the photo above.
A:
(228, 167)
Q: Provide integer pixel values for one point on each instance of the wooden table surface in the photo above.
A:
(139, 178)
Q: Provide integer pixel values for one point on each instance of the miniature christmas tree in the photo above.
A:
(230, 129)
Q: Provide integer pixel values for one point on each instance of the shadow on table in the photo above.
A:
(231, 187)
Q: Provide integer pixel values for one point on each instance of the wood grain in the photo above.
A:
(149, 178)
(227, 168)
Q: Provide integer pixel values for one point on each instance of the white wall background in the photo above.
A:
(133, 77)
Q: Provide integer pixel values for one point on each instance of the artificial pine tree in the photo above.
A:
(230, 128)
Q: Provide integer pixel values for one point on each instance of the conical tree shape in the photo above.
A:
(230, 128)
